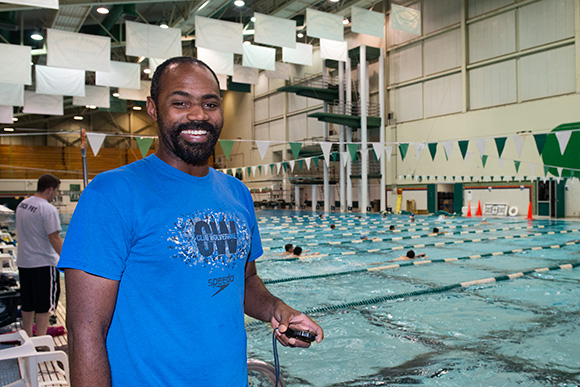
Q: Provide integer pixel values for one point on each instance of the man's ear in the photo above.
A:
(151, 109)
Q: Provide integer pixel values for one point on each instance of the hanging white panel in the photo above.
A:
(35, 103)
(396, 36)
(94, 95)
(301, 55)
(126, 75)
(152, 41)
(367, 22)
(71, 50)
(11, 94)
(153, 64)
(274, 31)
(331, 49)
(443, 96)
(136, 95)
(15, 64)
(545, 22)
(223, 80)
(282, 71)
(6, 114)
(492, 37)
(244, 74)
(220, 62)
(259, 57)
(218, 35)
(58, 81)
(493, 85)
(324, 25)
(406, 19)
(548, 73)
(52, 4)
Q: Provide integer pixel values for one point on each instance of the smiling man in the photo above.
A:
(159, 257)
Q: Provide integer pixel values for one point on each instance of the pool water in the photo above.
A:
(523, 331)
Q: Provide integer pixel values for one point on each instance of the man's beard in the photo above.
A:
(192, 153)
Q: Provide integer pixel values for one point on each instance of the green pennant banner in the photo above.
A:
(300, 162)
(144, 143)
(546, 170)
(334, 156)
(249, 171)
(432, 150)
(227, 146)
(260, 169)
(540, 141)
(403, 148)
(463, 147)
(484, 160)
(295, 146)
(272, 169)
(352, 149)
(315, 159)
(517, 165)
(285, 165)
(500, 144)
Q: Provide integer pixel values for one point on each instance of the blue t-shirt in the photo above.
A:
(178, 246)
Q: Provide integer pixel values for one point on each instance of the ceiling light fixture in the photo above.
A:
(239, 3)
(78, 118)
(103, 10)
(334, 1)
(253, 18)
(300, 35)
(116, 95)
(163, 24)
(147, 71)
(137, 107)
(9, 129)
(247, 42)
(203, 5)
(14, 119)
(36, 35)
(345, 21)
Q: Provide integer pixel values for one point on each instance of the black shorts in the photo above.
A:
(39, 288)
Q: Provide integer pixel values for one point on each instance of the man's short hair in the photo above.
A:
(297, 250)
(435, 230)
(410, 254)
(156, 81)
(288, 247)
(391, 227)
(47, 181)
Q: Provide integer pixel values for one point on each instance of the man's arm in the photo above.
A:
(55, 241)
(90, 304)
(261, 304)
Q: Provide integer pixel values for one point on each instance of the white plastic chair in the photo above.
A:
(29, 358)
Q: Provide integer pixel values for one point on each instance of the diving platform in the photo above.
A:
(325, 94)
(346, 120)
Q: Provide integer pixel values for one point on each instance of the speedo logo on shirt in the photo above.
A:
(210, 239)
(220, 283)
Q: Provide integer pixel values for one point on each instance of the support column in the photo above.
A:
(348, 133)
(363, 201)
(325, 134)
(296, 197)
(341, 147)
(383, 161)
(314, 198)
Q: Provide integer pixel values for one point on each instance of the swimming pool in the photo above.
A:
(403, 325)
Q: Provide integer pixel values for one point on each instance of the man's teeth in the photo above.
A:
(195, 132)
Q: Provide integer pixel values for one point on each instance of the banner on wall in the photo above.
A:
(301, 55)
(367, 22)
(11, 94)
(152, 41)
(15, 64)
(35, 103)
(263, 58)
(72, 50)
(246, 75)
(52, 4)
(218, 35)
(324, 25)
(94, 95)
(220, 62)
(275, 31)
(406, 19)
(282, 71)
(6, 114)
(121, 74)
(223, 80)
(331, 49)
(136, 94)
(58, 81)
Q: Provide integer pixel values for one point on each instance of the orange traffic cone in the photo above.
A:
(530, 212)
(478, 213)
(469, 209)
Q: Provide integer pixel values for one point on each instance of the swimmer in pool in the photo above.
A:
(436, 232)
(287, 249)
(409, 256)
(299, 253)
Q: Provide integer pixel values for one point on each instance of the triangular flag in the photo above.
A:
(291, 162)
(517, 165)
(285, 165)
(463, 147)
(389, 151)
(96, 141)
(315, 158)
(483, 160)
(352, 148)
(546, 170)
(344, 158)
(419, 148)
(272, 168)
(563, 138)
(262, 147)
(448, 146)
(295, 146)
(249, 171)
(278, 166)
(500, 144)
(519, 143)
(325, 146)
(307, 161)
(432, 150)
(253, 170)
(540, 141)
(481, 143)
(300, 162)
(559, 172)
(403, 150)
(227, 146)
(379, 149)
(260, 170)
(144, 143)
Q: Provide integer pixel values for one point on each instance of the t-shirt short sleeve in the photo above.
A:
(98, 239)
(51, 221)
